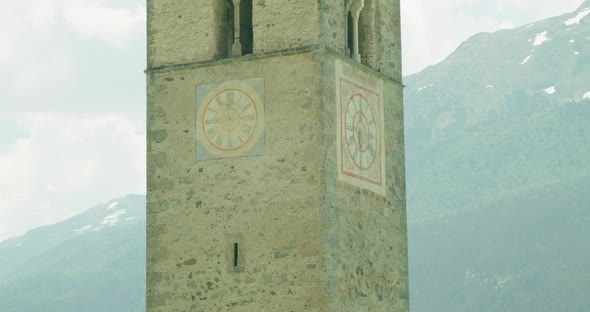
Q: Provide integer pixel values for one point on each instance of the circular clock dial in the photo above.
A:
(229, 120)
(360, 132)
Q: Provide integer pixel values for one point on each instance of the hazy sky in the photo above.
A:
(72, 93)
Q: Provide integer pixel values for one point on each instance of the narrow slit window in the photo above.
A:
(236, 255)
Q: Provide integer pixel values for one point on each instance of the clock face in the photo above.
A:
(360, 131)
(230, 119)
(360, 153)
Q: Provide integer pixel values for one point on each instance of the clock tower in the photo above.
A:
(275, 154)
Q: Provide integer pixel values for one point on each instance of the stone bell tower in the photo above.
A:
(275, 156)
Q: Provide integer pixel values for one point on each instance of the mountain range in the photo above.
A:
(498, 191)
(94, 261)
(498, 172)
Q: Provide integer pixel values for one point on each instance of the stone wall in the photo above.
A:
(364, 234)
(307, 241)
(188, 31)
(281, 25)
(181, 32)
(269, 204)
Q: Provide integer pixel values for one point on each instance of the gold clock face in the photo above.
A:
(360, 131)
(230, 119)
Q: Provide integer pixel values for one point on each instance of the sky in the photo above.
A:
(72, 93)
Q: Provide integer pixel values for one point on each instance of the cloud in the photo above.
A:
(56, 48)
(112, 25)
(68, 163)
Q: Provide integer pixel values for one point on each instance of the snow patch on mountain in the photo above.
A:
(550, 90)
(577, 18)
(572, 41)
(489, 86)
(107, 221)
(576, 52)
(586, 95)
(425, 87)
(526, 59)
(540, 38)
(83, 229)
(113, 218)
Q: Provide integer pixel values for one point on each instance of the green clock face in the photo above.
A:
(360, 132)
(361, 144)
(230, 120)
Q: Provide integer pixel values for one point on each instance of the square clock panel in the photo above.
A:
(360, 137)
(230, 119)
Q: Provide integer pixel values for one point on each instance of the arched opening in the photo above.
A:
(353, 11)
(228, 31)
(224, 28)
(246, 29)
(349, 34)
(366, 33)
(361, 37)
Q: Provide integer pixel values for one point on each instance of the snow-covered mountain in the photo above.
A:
(95, 256)
(486, 77)
(498, 171)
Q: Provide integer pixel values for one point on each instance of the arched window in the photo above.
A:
(224, 28)
(239, 28)
(246, 29)
(367, 33)
(349, 35)
(229, 27)
(353, 11)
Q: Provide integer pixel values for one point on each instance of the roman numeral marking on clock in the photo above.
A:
(212, 131)
(210, 121)
(350, 140)
(218, 100)
(247, 129)
(230, 97)
(249, 117)
(229, 142)
(354, 153)
(247, 106)
(219, 140)
(372, 150)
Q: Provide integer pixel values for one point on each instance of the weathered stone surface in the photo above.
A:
(189, 31)
(307, 241)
